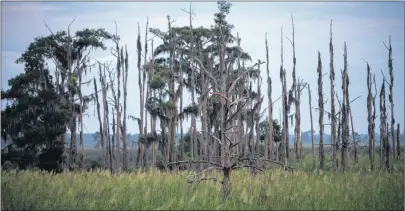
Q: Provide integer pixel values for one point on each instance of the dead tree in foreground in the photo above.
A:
(332, 94)
(320, 104)
(384, 143)
(345, 112)
(227, 144)
(370, 118)
(312, 126)
(391, 98)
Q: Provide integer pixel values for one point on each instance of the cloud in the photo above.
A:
(363, 35)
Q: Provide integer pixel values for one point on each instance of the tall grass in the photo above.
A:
(355, 190)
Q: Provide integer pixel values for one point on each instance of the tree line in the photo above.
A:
(237, 130)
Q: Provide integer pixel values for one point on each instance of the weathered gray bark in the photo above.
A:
(385, 148)
(312, 126)
(395, 147)
(285, 136)
(81, 162)
(270, 136)
(124, 60)
(321, 110)
(296, 90)
(370, 118)
(345, 112)
(102, 135)
(398, 141)
(145, 123)
(333, 111)
(141, 102)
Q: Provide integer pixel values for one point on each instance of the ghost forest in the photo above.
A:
(240, 157)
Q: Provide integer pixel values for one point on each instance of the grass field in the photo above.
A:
(358, 189)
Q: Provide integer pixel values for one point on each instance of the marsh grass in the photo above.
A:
(358, 189)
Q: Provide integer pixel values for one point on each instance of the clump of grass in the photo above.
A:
(361, 190)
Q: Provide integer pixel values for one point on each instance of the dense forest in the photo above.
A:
(238, 131)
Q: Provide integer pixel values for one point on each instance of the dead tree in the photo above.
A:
(115, 123)
(81, 163)
(321, 110)
(398, 141)
(356, 158)
(270, 137)
(332, 94)
(144, 74)
(385, 148)
(295, 90)
(124, 62)
(106, 130)
(102, 135)
(117, 104)
(139, 159)
(370, 109)
(153, 117)
(345, 112)
(312, 126)
(395, 147)
(171, 152)
(285, 139)
(257, 111)
(374, 116)
(193, 132)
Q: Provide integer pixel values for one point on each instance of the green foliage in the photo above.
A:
(34, 121)
(264, 129)
(157, 82)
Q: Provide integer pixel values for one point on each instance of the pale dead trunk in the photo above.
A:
(345, 112)
(141, 102)
(145, 122)
(321, 110)
(102, 134)
(270, 130)
(395, 147)
(312, 126)
(370, 118)
(333, 111)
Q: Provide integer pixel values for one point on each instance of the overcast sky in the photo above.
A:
(363, 25)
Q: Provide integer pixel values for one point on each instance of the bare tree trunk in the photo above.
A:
(114, 155)
(284, 141)
(373, 119)
(345, 113)
(312, 126)
(102, 135)
(296, 89)
(181, 109)
(391, 99)
(257, 112)
(356, 158)
(339, 135)
(118, 110)
(383, 128)
(193, 118)
(370, 118)
(270, 135)
(124, 122)
(320, 105)
(398, 142)
(143, 92)
(110, 138)
(72, 122)
(106, 123)
(81, 121)
(333, 111)
(141, 102)
(172, 97)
